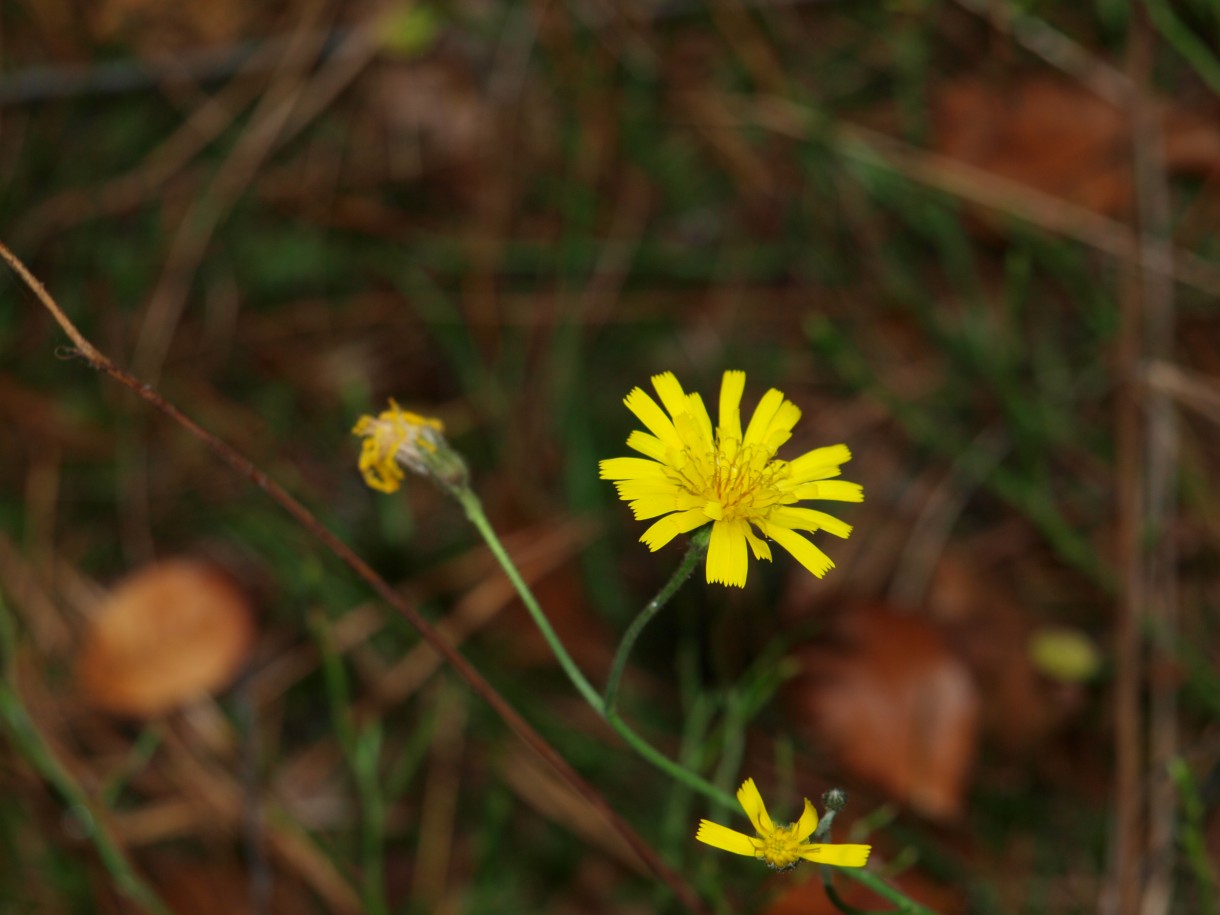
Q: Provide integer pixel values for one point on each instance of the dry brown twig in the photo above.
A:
(1140, 878)
(966, 182)
(467, 671)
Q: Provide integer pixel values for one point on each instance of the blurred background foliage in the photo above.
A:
(973, 240)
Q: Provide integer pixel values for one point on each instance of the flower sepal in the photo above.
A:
(396, 439)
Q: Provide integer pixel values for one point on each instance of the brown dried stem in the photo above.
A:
(243, 466)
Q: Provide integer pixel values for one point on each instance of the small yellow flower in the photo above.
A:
(397, 439)
(692, 475)
(781, 847)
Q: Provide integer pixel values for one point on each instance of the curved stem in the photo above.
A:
(474, 511)
(309, 523)
(29, 742)
(695, 552)
(677, 772)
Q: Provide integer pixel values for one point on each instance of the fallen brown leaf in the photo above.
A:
(168, 633)
(897, 708)
(1058, 137)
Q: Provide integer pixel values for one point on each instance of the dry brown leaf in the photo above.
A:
(893, 704)
(991, 630)
(168, 633)
(1060, 138)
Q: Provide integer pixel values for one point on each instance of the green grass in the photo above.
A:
(486, 287)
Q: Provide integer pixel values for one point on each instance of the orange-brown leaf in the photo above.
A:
(168, 633)
(894, 705)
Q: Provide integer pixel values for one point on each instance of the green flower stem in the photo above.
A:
(30, 744)
(474, 511)
(28, 741)
(905, 905)
(677, 772)
(834, 801)
(694, 553)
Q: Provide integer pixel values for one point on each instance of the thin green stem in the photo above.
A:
(30, 744)
(474, 511)
(1192, 838)
(361, 747)
(665, 764)
(861, 876)
(28, 741)
(694, 553)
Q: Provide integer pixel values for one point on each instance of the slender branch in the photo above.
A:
(30, 743)
(646, 750)
(467, 671)
(474, 511)
(511, 717)
(695, 552)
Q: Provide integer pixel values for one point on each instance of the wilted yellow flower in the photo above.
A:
(397, 438)
(781, 847)
(693, 475)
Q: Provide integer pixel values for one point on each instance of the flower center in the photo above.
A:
(740, 480)
(781, 849)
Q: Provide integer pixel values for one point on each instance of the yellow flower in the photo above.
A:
(781, 847)
(397, 439)
(693, 475)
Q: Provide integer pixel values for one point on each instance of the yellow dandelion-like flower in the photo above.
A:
(781, 847)
(396, 439)
(692, 474)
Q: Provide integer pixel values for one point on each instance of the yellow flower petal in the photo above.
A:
(693, 474)
(695, 432)
(804, 552)
(648, 445)
(758, 546)
(760, 422)
(726, 554)
(652, 507)
(671, 526)
(724, 838)
(808, 519)
(839, 491)
(819, 464)
(779, 430)
(702, 422)
(630, 490)
(839, 855)
(673, 398)
(647, 506)
(752, 803)
(630, 469)
(807, 823)
(652, 416)
(397, 439)
(732, 386)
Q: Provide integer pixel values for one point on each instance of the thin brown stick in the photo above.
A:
(245, 468)
(964, 181)
(1160, 447)
(1190, 389)
(1056, 48)
(1124, 884)
(208, 210)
